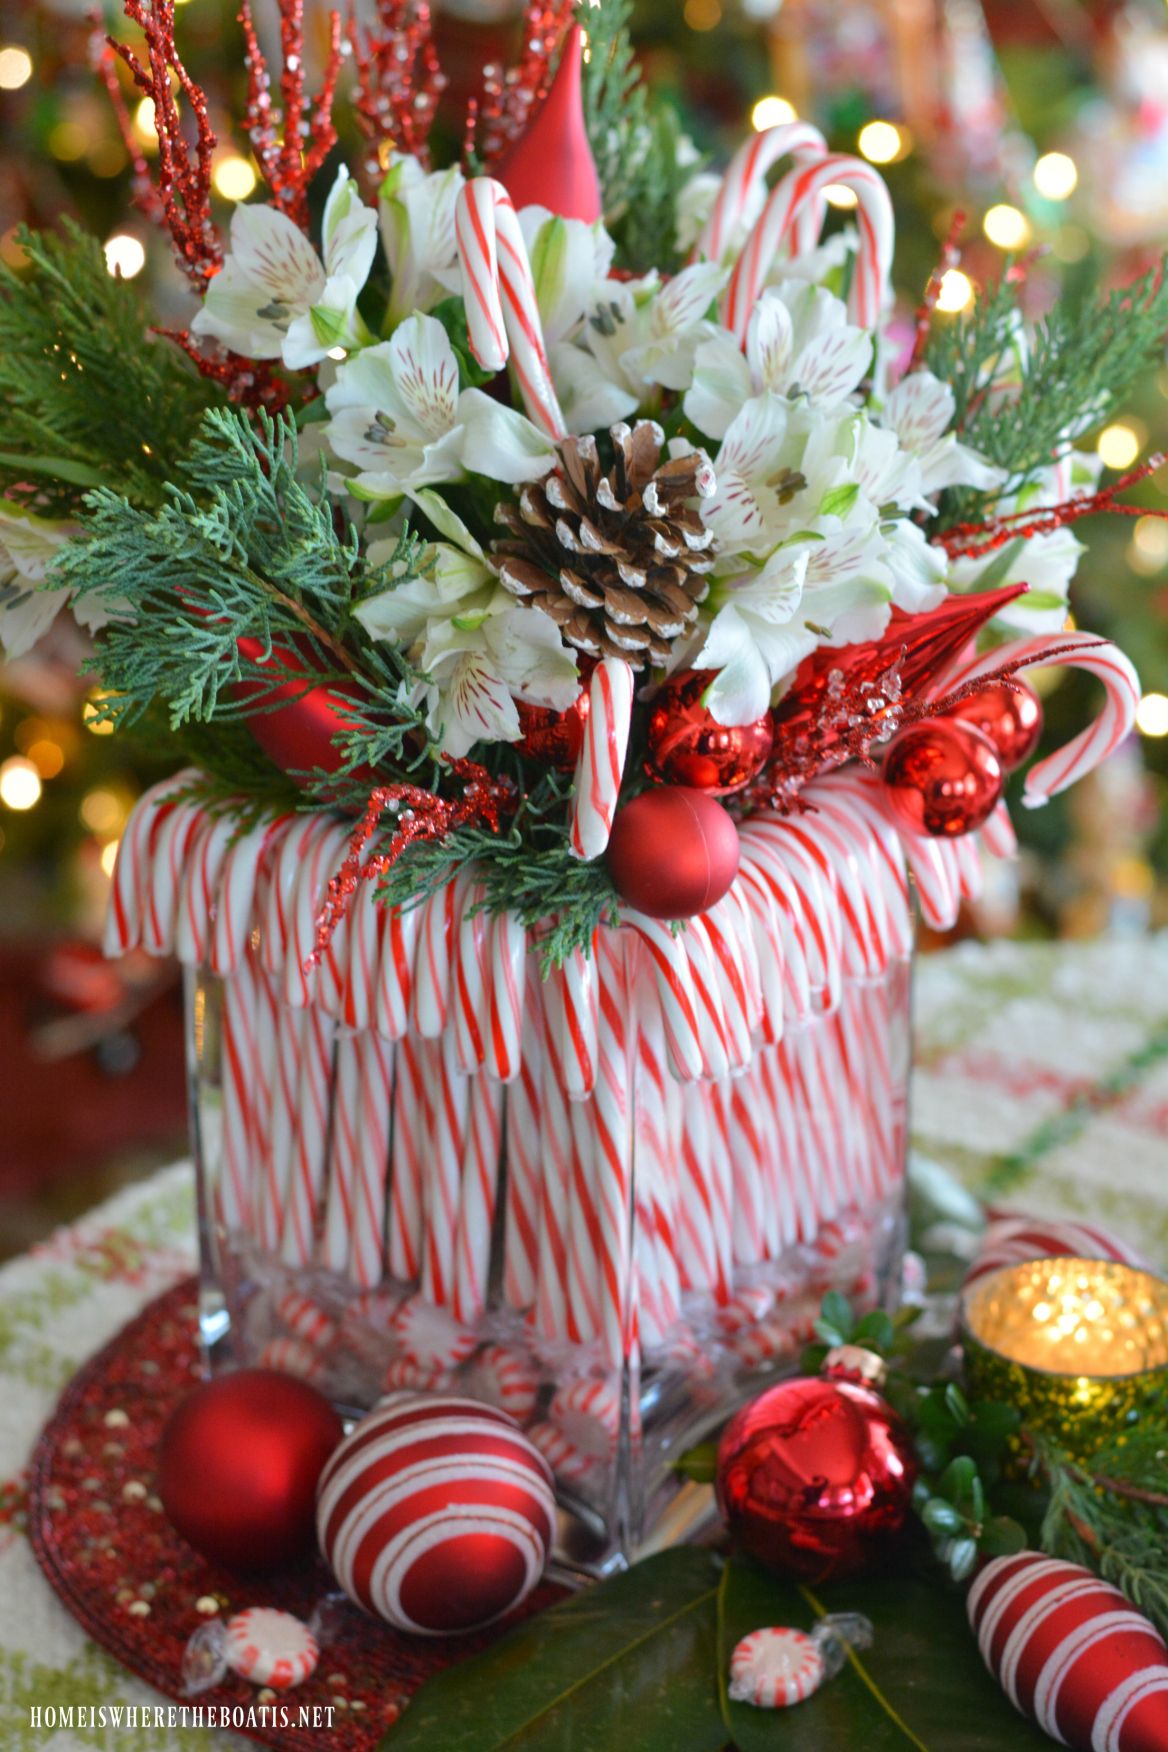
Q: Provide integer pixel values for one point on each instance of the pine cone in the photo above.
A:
(619, 561)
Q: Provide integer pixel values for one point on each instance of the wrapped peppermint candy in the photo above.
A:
(776, 1667)
(269, 1647)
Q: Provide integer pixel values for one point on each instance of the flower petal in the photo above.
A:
(501, 443)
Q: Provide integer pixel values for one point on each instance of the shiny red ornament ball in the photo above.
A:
(436, 1513)
(238, 1465)
(1010, 714)
(673, 852)
(1072, 1653)
(688, 746)
(941, 777)
(815, 1478)
(555, 738)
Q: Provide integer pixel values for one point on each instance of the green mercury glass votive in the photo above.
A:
(1079, 1347)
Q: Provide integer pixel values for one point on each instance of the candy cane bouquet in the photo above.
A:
(582, 618)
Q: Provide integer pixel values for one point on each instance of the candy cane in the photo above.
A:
(998, 836)
(339, 1217)
(669, 959)
(169, 847)
(657, 1273)
(240, 1050)
(123, 928)
(429, 1001)
(571, 998)
(1090, 747)
(476, 1211)
(507, 956)
(613, 1152)
(448, 1100)
(325, 983)
(601, 763)
(369, 1142)
(557, 1149)
(502, 311)
(411, 1135)
(310, 1151)
(525, 1169)
(745, 181)
(366, 921)
(468, 974)
(801, 188)
(236, 909)
(198, 894)
(400, 931)
(767, 931)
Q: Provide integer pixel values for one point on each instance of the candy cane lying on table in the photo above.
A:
(1090, 747)
(745, 180)
(798, 190)
(601, 764)
(502, 312)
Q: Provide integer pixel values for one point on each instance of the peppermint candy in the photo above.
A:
(505, 1378)
(587, 1413)
(775, 1668)
(292, 1357)
(306, 1320)
(270, 1648)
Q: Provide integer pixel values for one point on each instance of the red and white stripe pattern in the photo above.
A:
(1091, 747)
(743, 188)
(1012, 1240)
(775, 1668)
(1071, 1653)
(588, 1413)
(291, 1356)
(436, 1514)
(802, 190)
(306, 1319)
(601, 763)
(270, 1648)
(502, 312)
(505, 1378)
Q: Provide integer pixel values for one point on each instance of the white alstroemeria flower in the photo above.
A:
(919, 570)
(920, 411)
(275, 299)
(570, 261)
(475, 648)
(28, 547)
(695, 203)
(673, 324)
(744, 505)
(754, 639)
(1047, 563)
(417, 230)
(799, 342)
(398, 416)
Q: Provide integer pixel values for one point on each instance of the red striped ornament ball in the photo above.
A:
(1072, 1653)
(436, 1514)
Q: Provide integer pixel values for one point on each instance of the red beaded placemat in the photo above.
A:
(139, 1590)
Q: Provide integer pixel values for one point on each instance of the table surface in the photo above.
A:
(1041, 1082)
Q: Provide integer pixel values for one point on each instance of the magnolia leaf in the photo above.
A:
(78, 474)
(628, 1663)
(699, 1464)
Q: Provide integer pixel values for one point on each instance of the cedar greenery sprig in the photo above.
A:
(1082, 360)
(87, 396)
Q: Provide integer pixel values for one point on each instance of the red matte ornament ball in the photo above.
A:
(673, 852)
(942, 778)
(688, 746)
(555, 738)
(1010, 715)
(815, 1478)
(238, 1465)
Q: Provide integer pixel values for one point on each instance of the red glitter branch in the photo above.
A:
(421, 816)
(253, 383)
(105, 65)
(509, 97)
(290, 150)
(399, 81)
(949, 258)
(972, 540)
(184, 174)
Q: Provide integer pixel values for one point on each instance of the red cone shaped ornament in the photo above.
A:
(809, 727)
(551, 164)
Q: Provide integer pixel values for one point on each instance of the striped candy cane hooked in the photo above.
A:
(804, 188)
(502, 314)
(745, 182)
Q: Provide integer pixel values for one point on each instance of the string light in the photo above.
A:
(15, 67)
(881, 142)
(103, 812)
(20, 783)
(1119, 444)
(772, 112)
(234, 178)
(124, 255)
(840, 196)
(1152, 715)
(109, 856)
(1148, 550)
(1056, 176)
(68, 142)
(89, 716)
(956, 291)
(1071, 243)
(1006, 227)
(702, 14)
(145, 129)
(47, 756)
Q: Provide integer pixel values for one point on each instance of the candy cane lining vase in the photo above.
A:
(609, 1200)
